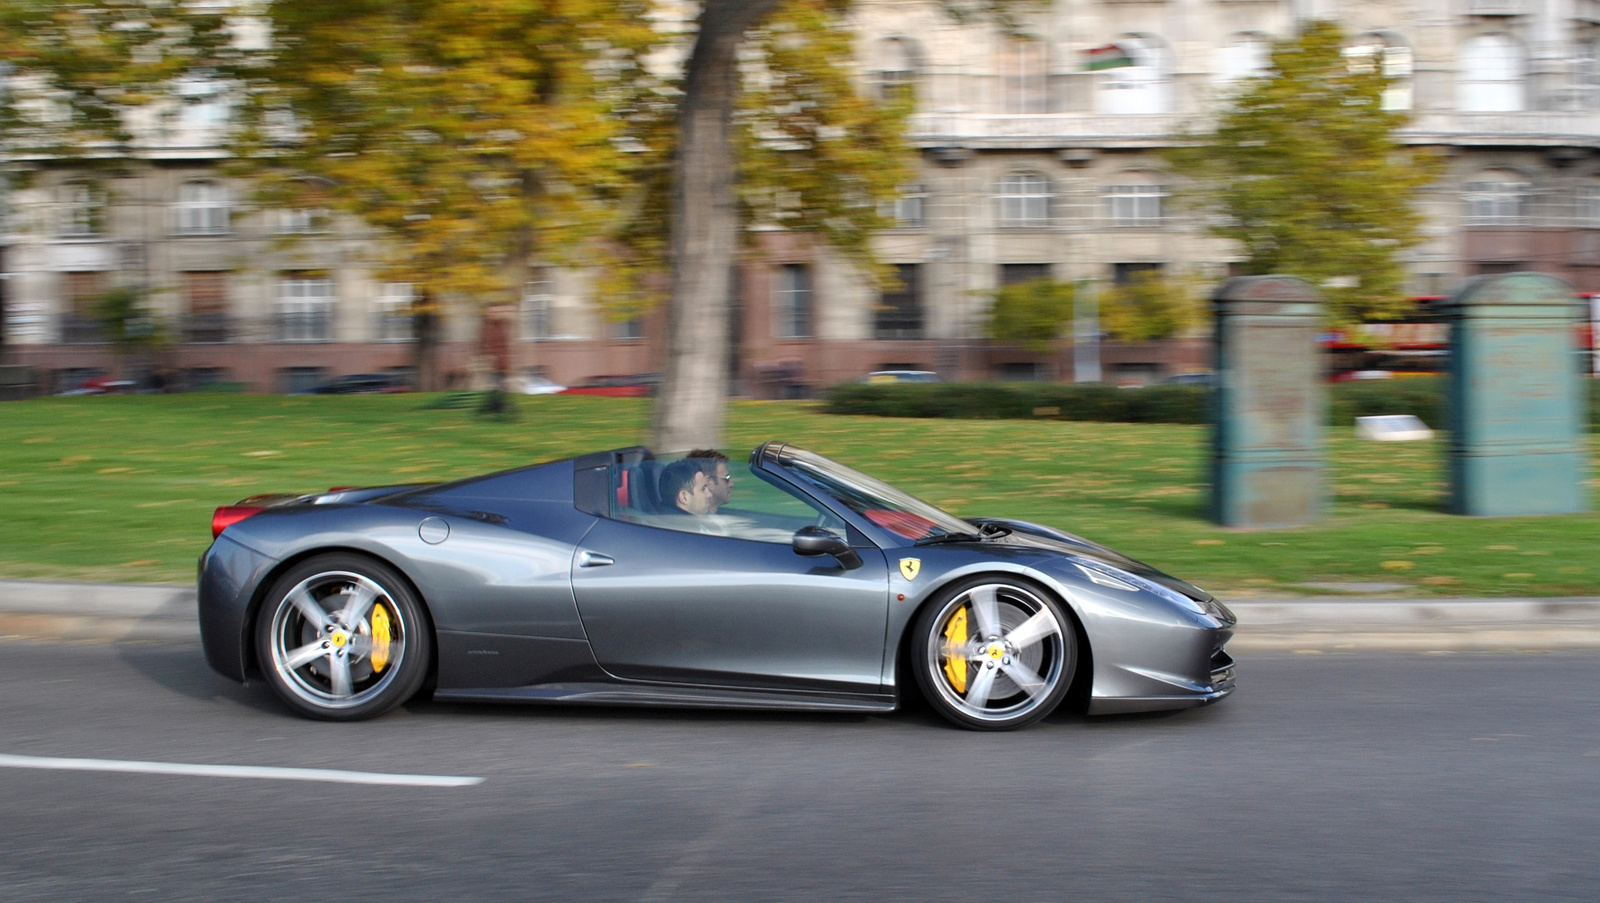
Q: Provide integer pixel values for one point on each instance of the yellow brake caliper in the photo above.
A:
(380, 638)
(955, 637)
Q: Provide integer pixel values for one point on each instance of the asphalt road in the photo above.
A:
(1468, 776)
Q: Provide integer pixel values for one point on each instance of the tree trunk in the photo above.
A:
(425, 344)
(689, 410)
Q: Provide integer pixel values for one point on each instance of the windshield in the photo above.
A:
(873, 499)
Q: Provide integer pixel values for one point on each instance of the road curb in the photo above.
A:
(167, 613)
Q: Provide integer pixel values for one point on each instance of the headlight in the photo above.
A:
(1116, 578)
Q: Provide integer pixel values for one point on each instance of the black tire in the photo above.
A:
(973, 674)
(342, 637)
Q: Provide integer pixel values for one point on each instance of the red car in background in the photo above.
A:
(639, 385)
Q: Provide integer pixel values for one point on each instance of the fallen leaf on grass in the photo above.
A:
(267, 453)
(1397, 565)
(1210, 542)
(1440, 581)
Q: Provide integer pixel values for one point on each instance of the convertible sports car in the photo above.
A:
(796, 583)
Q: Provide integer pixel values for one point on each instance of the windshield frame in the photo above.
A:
(866, 494)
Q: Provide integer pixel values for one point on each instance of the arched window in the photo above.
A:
(1024, 200)
(203, 208)
(1381, 49)
(1141, 85)
(1024, 79)
(1489, 79)
(1247, 54)
(1136, 199)
(894, 68)
(1497, 197)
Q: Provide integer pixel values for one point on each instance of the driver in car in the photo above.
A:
(685, 485)
(715, 464)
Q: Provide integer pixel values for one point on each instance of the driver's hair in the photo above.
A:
(708, 458)
(676, 477)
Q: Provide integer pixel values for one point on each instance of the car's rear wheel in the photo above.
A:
(341, 638)
(994, 653)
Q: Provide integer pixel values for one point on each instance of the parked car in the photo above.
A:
(902, 376)
(102, 385)
(637, 385)
(362, 384)
(1192, 379)
(538, 385)
(609, 578)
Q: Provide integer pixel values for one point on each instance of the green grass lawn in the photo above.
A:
(122, 488)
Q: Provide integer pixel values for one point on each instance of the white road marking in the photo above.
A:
(239, 771)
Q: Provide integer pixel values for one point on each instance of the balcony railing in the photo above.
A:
(1045, 130)
(1062, 130)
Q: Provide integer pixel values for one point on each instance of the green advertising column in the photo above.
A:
(1518, 425)
(1271, 405)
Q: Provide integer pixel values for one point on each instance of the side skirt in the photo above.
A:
(680, 697)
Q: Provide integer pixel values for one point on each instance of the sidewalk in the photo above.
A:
(163, 613)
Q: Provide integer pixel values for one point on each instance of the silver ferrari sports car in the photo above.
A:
(626, 577)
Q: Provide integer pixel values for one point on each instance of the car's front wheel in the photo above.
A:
(341, 638)
(994, 653)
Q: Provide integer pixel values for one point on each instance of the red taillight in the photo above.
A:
(228, 515)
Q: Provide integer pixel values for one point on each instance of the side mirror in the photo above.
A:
(812, 541)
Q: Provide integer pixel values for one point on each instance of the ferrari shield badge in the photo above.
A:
(909, 567)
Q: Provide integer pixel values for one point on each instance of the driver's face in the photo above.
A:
(721, 485)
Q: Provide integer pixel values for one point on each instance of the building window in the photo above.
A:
(1497, 199)
(631, 328)
(82, 292)
(1374, 50)
(794, 301)
(1588, 205)
(305, 307)
(205, 295)
(1136, 204)
(82, 211)
(203, 107)
(1247, 54)
(300, 221)
(1126, 273)
(392, 320)
(538, 297)
(1015, 273)
(1024, 81)
(899, 314)
(895, 69)
(1490, 80)
(301, 380)
(1586, 73)
(1024, 200)
(203, 208)
(1142, 84)
(909, 210)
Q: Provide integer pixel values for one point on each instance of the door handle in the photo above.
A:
(587, 559)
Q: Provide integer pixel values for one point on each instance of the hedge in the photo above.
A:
(1423, 396)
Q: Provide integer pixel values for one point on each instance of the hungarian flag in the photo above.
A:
(1108, 57)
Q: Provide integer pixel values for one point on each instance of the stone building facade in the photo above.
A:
(1029, 163)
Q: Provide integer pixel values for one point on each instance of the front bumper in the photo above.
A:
(1218, 684)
